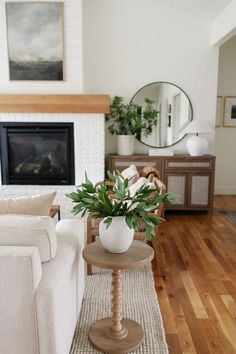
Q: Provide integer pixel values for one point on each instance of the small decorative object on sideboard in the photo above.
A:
(159, 152)
(122, 208)
(129, 120)
(197, 145)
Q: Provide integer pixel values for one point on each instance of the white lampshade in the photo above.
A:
(197, 145)
(196, 127)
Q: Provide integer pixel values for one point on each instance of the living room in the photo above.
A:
(70, 72)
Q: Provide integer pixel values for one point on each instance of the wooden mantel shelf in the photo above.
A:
(17, 103)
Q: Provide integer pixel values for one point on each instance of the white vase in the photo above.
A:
(125, 144)
(118, 237)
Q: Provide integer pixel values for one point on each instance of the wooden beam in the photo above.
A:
(27, 103)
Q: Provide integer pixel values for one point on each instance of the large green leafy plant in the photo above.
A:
(131, 119)
(108, 202)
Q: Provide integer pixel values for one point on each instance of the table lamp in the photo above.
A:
(197, 145)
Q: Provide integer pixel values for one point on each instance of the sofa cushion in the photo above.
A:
(28, 205)
(28, 230)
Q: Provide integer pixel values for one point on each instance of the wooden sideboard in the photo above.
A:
(191, 177)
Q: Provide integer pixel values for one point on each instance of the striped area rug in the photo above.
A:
(139, 303)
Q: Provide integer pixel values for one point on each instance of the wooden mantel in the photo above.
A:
(27, 103)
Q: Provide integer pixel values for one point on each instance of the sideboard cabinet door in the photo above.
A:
(199, 190)
(199, 181)
(177, 183)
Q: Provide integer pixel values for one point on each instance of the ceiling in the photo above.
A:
(205, 9)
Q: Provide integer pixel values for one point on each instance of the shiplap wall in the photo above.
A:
(73, 58)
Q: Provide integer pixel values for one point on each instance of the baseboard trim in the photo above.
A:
(225, 190)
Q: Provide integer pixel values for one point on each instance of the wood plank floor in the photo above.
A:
(197, 293)
(225, 202)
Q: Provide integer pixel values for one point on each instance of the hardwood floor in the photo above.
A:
(197, 294)
(225, 202)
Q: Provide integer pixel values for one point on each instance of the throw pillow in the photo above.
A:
(131, 173)
(29, 205)
(140, 182)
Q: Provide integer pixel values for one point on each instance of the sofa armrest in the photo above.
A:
(16, 261)
(20, 274)
(72, 228)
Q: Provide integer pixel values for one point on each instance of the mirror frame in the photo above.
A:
(191, 109)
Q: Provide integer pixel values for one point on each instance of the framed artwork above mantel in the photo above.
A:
(35, 40)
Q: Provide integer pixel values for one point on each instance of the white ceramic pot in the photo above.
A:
(125, 144)
(118, 237)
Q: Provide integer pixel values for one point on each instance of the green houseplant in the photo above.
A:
(129, 120)
(121, 212)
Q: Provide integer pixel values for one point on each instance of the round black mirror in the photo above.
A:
(174, 113)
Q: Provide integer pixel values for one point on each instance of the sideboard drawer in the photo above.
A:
(188, 163)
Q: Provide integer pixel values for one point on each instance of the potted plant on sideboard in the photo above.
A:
(120, 210)
(130, 120)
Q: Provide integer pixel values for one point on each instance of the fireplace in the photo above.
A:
(37, 153)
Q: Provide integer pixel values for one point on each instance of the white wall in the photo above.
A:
(224, 25)
(129, 43)
(73, 69)
(225, 138)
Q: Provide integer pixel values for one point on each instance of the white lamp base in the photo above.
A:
(196, 145)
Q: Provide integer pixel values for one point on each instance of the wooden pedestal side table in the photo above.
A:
(116, 334)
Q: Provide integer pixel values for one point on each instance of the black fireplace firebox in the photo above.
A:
(37, 153)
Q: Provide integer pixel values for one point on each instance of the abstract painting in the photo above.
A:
(35, 40)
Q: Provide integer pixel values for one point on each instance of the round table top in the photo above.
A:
(136, 256)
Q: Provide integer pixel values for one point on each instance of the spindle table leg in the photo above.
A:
(116, 334)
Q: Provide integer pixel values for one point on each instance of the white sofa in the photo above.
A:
(40, 302)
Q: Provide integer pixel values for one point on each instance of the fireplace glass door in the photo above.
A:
(37, 153)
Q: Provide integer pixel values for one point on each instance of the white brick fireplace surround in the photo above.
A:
(89, 150)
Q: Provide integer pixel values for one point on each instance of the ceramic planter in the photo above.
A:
(125, 144)
(118, 237)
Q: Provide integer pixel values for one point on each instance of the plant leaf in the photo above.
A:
(128, 220)
(108, 222)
